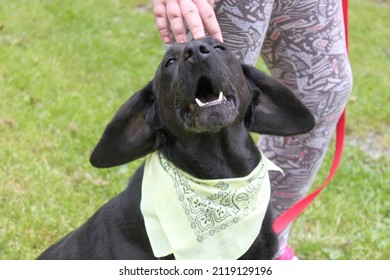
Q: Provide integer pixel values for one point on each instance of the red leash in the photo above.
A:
(287, 217)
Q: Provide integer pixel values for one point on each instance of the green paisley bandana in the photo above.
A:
(202, 219)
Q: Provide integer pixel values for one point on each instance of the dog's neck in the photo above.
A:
(230, 153)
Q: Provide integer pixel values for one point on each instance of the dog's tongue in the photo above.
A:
(220, 99)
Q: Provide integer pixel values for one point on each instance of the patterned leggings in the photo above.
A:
(303, 44)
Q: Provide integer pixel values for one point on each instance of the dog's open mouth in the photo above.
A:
(220, 99)
(212, 107)
(206, 95)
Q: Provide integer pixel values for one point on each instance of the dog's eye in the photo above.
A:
(219, 48)
(169, 62)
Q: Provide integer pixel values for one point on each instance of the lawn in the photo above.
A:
(66, 67)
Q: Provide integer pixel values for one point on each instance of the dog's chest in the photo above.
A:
(191, 218)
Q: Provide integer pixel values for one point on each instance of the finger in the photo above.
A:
(176, 21)
(211, 2)
(192, 18)
(160, 15)
(209, 19)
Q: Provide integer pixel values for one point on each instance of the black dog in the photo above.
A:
(183, 114)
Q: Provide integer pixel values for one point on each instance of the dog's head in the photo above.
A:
(199, 87)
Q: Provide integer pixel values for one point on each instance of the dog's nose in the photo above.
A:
(196, 50)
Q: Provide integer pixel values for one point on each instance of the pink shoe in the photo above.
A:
(288, 254)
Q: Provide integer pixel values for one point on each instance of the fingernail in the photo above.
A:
(199, 35)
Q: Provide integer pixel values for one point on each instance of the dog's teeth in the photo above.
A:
(221, 96)
(200, 103)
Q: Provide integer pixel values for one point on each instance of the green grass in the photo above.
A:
(65, 68)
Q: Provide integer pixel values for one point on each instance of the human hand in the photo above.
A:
(173, 15)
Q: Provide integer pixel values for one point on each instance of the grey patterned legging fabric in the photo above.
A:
(303, 44)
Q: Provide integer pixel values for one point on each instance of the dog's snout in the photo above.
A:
(196, 50)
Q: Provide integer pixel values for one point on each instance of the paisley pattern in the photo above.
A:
(303, 44)
(220, 205)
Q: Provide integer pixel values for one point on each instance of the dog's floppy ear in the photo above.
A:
(275, 109)
(131, 133)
